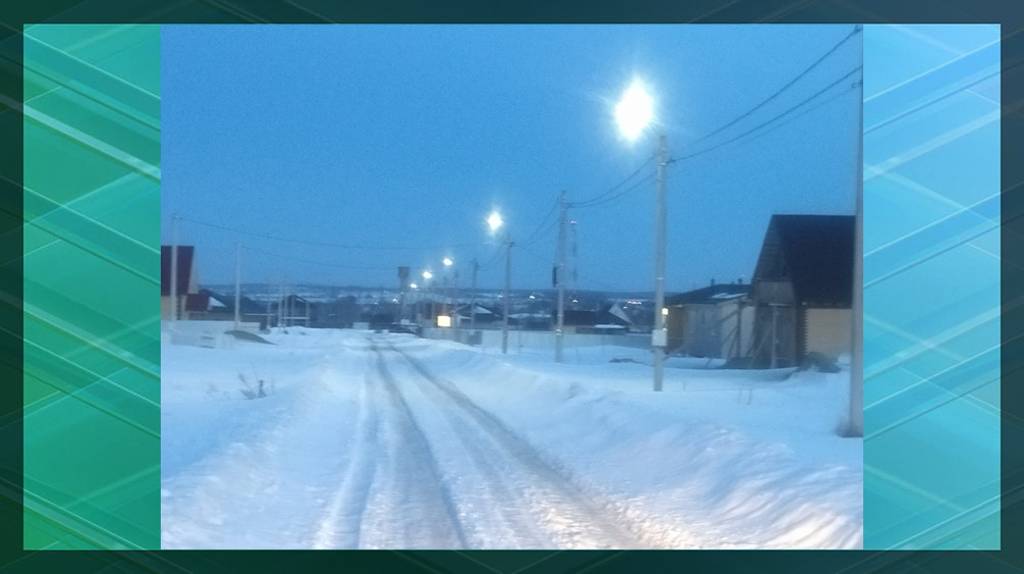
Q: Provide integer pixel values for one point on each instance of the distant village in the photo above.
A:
(795, 307)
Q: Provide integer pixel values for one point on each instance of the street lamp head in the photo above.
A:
(635, 111)
(448, 261)
(413, 286)
(494, 221)
(427, 275)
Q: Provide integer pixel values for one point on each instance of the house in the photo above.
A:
(802, 289)
(209, 305)
(482, 315)
(294, 310)
(341, 312)
(530, 320)
(715, 321)
(609, 318)
(187, 279)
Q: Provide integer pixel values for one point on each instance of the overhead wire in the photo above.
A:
(314, 262)
(646, 179)
(856, 30)
(773, 119)
(599, 197)
(353, 246)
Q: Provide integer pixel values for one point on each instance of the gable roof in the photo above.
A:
(716, 293)
(817, 257)
(590, 317)
(185, 256)
(227, 302)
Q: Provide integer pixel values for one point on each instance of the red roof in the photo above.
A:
(185, 255)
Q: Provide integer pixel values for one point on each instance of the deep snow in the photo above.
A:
(389, 441)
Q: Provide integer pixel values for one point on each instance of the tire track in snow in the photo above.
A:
(423, 512)
(577, 518)
(340, 527)
(484, 495)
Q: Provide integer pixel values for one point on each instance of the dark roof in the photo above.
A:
(478, 310)
(185, 255)
(710, 294)
(579, 317)
(248, 305)
(818, 255)
(197, 301)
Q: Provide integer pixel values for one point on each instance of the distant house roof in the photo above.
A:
(716, 293)
(217, 301)
(578, 317)
(815, 253)
(478, 310)
(185, 256)
(606, 315)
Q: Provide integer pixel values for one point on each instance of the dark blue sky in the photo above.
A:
(406, 136)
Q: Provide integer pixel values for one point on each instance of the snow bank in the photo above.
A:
(720, 459)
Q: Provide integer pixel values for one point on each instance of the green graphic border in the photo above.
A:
(15, 559)
(91, 279)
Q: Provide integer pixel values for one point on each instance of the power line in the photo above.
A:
(804, 112)
(498, 251)
(619, 195)
(542, 235)
(542, 222)
(312, 262)
(775, 118)
(856, 30)
(614, 188)
(271, 237)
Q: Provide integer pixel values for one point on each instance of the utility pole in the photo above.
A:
(563, 207)
(174, 268)
(280, 306)
(238, 285)
(659, 337)
(505, 297)
(270, 300)
(857, 313)
(455, 303)
(472, 299)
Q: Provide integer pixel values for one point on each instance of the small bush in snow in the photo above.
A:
(252, 391)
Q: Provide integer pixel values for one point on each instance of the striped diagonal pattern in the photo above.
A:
(932, 287)
(91, 287)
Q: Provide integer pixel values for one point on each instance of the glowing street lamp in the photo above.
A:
(634, 113)
(448, 261)
(427, 275)
(494, 221)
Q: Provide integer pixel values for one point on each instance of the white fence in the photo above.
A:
(202, 333)
(491, 338)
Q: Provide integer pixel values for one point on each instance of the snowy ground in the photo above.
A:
(389, 441)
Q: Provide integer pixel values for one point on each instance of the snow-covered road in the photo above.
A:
(381, 441)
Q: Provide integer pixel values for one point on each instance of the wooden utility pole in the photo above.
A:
(507, 295)
(238, 285)
(563, 219)
(472, 299)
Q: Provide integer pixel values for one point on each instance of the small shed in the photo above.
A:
(803, 289)
(715, 321)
